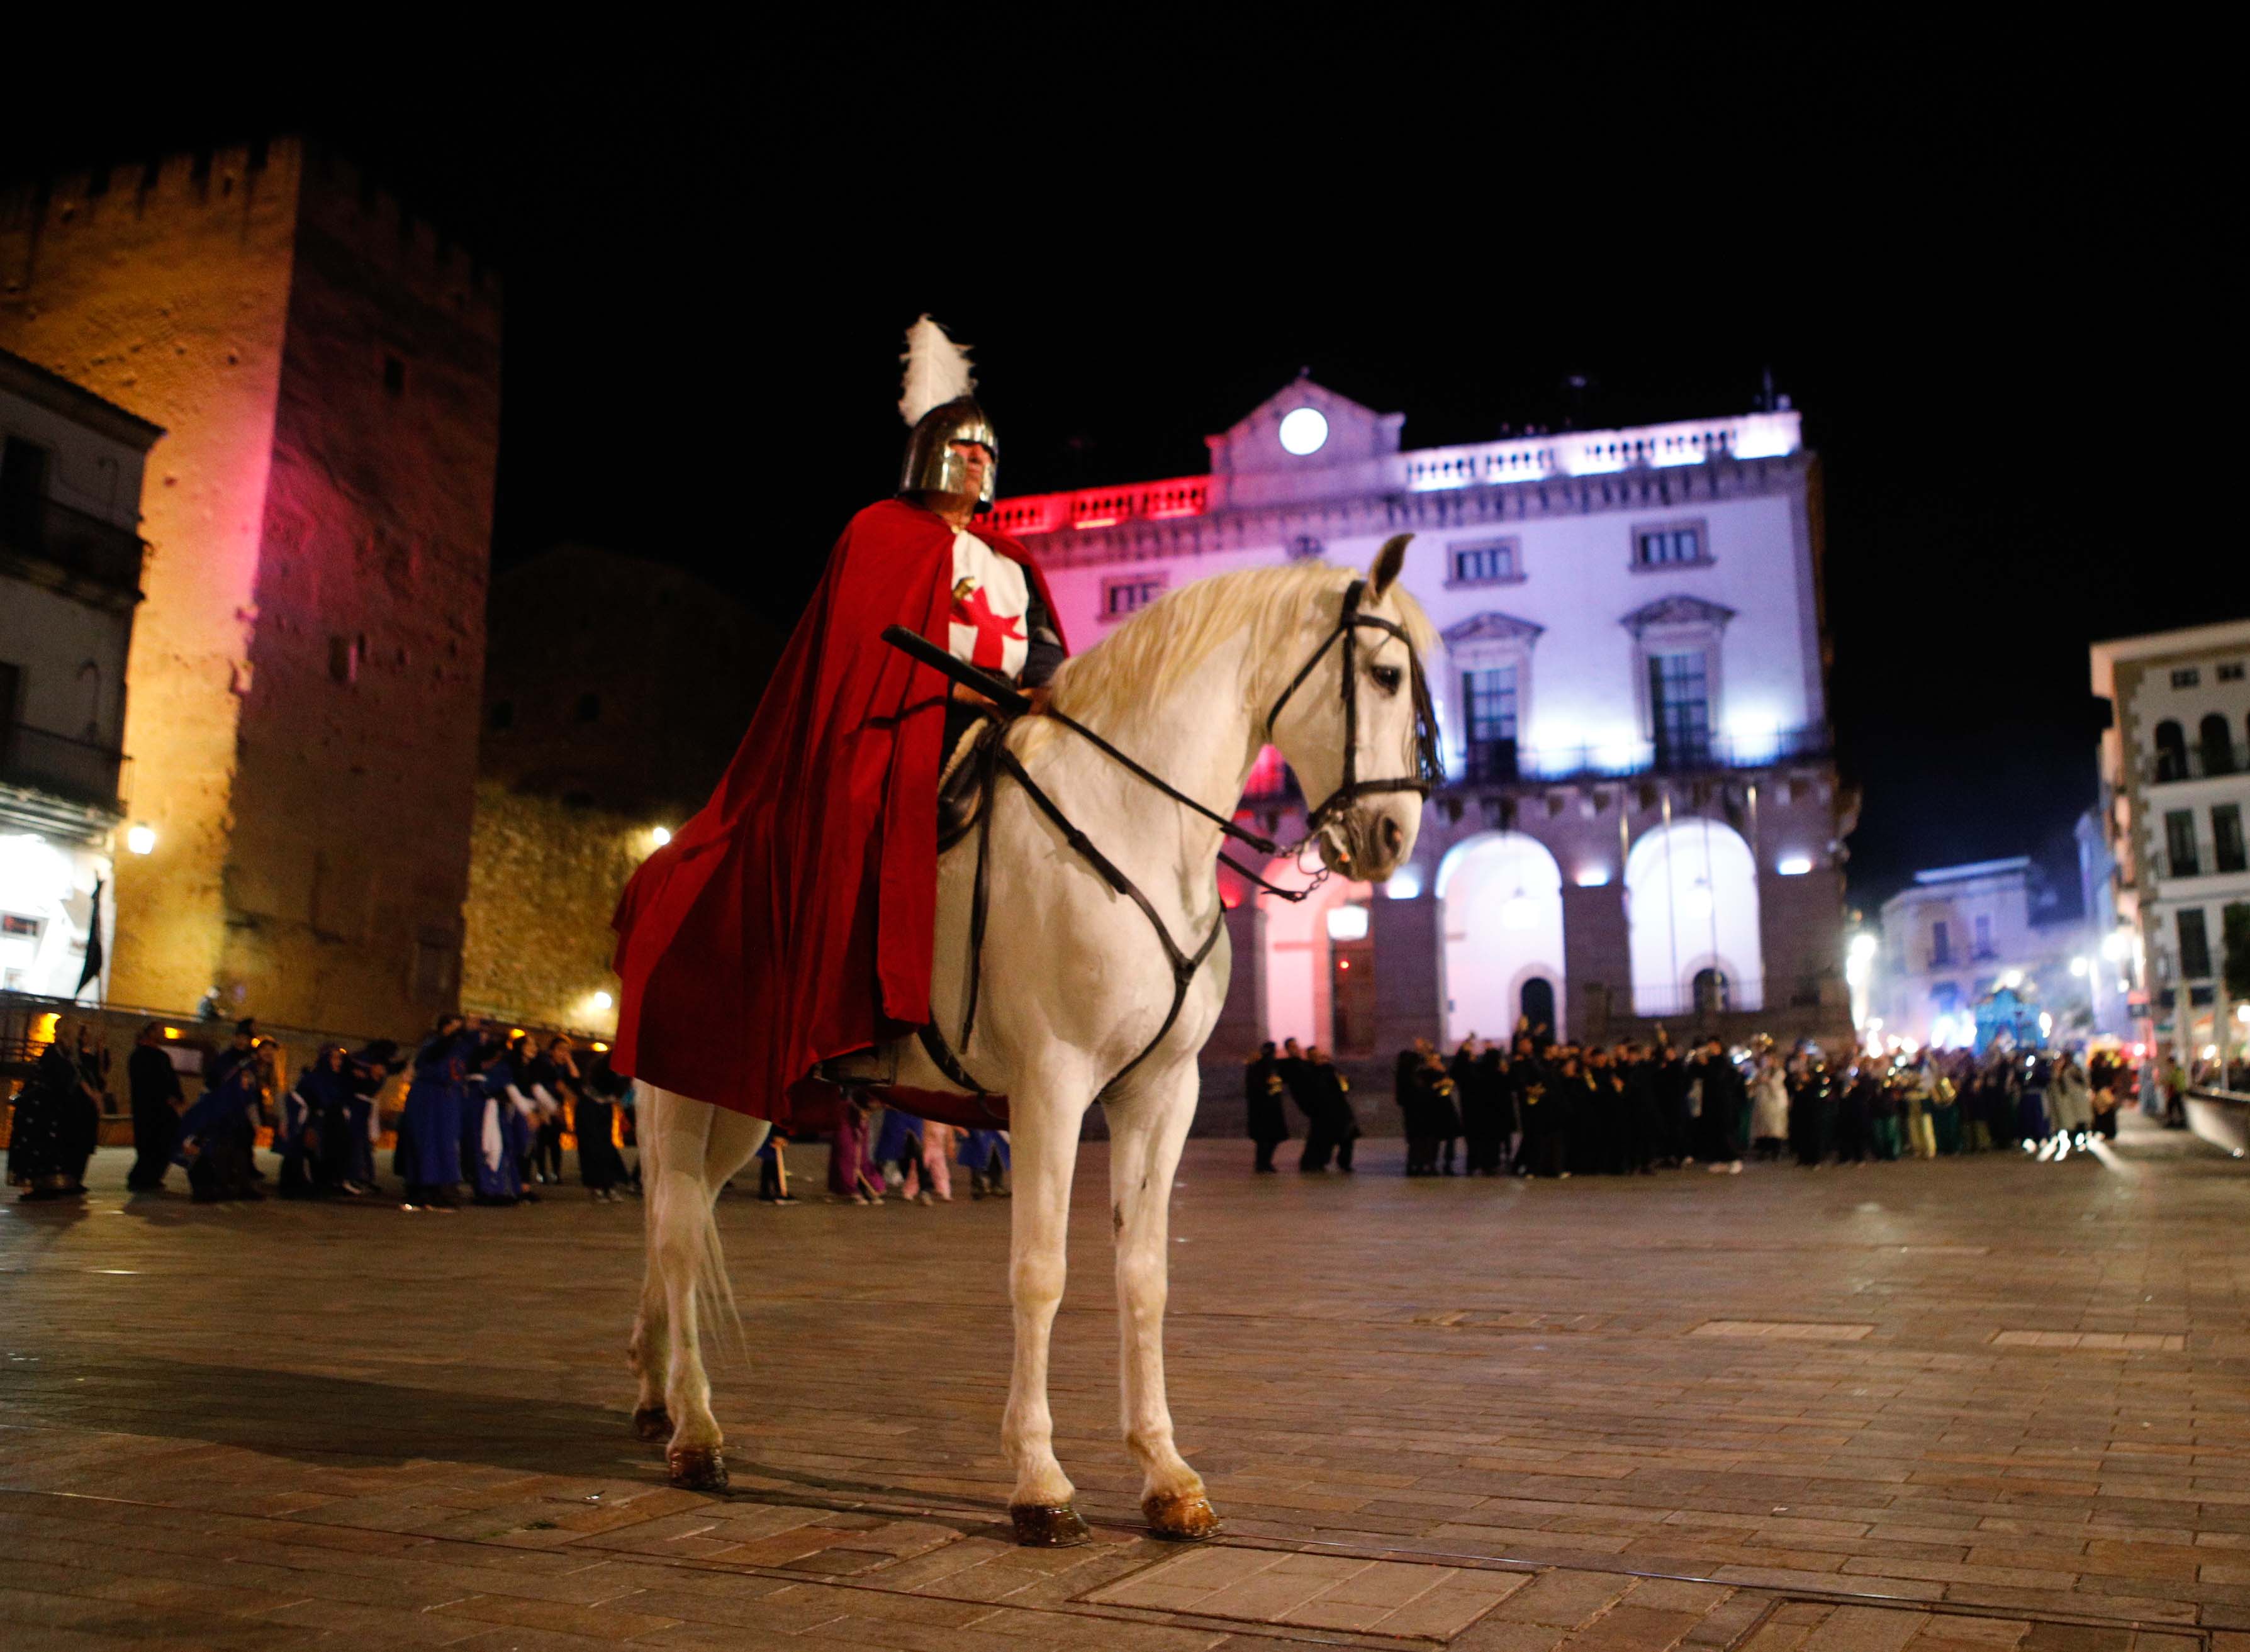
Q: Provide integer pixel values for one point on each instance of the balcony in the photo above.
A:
(2206, 759)
(1497, 763)
(78, 544)
(39, 760)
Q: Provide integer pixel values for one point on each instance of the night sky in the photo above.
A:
(1995, 292)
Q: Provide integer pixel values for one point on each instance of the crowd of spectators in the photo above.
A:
(1534, 1107)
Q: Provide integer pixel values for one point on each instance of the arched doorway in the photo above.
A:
(1301, 958)
(1501, 899)
(1537, 1002)
(1692, 906)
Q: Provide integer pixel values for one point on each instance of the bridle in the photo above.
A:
(1429, 767)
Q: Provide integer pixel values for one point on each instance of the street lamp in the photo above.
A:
(140, 838)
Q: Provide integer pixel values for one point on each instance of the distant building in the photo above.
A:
(1959, 933)
(305, 676)
(70, 578)
(2175, 768)
(1643, 821)
(616, 690)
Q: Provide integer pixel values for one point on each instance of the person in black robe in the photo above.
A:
(57, 1122)
(594, 1121)
(1855, 1116)
(1337, 1119)
(1442, 1118)
(557, 1073)
(1637, 1120)
(1724, 1096)
(154, 1083)
(1669, 1081)
(1413, 1110)
(1477, 1087)
(1499, 1091)
(370, 1068)
(1298, 1083)
(1267, 1124)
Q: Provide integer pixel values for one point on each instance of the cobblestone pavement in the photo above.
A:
(1902, 1408)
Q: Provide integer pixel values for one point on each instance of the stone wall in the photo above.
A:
(544, 877)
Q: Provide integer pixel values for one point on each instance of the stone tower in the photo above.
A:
(304, 688)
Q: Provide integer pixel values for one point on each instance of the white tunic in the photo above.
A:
(991, 596)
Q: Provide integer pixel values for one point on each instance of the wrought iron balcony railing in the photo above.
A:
(44, 761)
(81, 544)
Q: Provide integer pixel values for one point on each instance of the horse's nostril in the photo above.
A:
(1393, 836)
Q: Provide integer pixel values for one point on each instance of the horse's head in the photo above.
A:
(1356, 722)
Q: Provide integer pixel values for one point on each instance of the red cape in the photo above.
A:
(790, 920)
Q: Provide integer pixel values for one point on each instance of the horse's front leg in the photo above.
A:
(1145, 1135)
(649, 1354)
(1044, 1129)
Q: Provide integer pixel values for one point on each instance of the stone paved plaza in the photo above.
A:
(1971, 1404)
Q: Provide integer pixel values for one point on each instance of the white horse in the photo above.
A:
(1076, 983)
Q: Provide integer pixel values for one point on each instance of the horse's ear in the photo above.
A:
(1388, 562)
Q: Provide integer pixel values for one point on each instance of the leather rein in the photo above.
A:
(998, 759)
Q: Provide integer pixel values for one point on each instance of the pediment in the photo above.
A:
(1492, 628)
(1355, 432)
(1677, 610)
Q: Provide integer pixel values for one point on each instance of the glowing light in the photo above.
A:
(1756, 740)
(1862, 949)
(1343, 963)
(2047, 1023)
(660, 835)
(171, 1032)
(602, 1001)
(2116, 945)
(601, 1048)
(141, 839)
(1098, 521)
(1405, 884)
(1794, 865)
(2013, 979)
(1304, 430)
(1593, 877)
(2211, 1052)
(2140, 1052)
(42, 1029)
(2080, 966)
(1347, 923)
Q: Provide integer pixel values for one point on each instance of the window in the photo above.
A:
(2179, 842)
(1941, 945)
(1128, 593)
(503, 715)
(394, 377)
(1488, 562)
(23, 492)
(1984, 922)
(1679, 705)
(2231, 672)
(2194, 944)
(344, 655)
(588, 709)
(2186, 677)
(1669, 547)
(2216, 741)
(1489, 697)
(1711, 993)
(2228, 850)
(1946, 997)
(17, 924)
(2172, 751)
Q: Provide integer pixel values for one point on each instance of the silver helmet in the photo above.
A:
(931, 465)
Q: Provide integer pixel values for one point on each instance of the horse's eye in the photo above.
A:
(1387, 678)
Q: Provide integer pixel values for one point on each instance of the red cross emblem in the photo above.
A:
(994, 631)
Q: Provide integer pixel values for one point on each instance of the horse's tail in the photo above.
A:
(683, 1206)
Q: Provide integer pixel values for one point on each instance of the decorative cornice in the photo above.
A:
(1439, 509)
(1493, 628)
(1676, 611)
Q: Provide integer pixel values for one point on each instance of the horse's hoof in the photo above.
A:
(651, 1423)
(696, 1468)
(1183, 1518)
(1048, 1526)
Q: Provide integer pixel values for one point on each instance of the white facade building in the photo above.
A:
(2175, 794)
(1642, 819)
(70, 577)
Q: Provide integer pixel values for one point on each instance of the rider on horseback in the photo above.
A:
(789, 921)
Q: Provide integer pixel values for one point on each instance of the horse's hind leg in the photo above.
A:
(1045, 1135)
(1145, 1134)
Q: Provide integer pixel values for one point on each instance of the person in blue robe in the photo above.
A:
(218, 1135)
(313, 1133)
(430, 1138)
(985, 1153)
(496, 1134)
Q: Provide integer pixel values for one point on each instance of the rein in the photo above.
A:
(998, 759)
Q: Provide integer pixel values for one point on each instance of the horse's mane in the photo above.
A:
(1167, 641)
